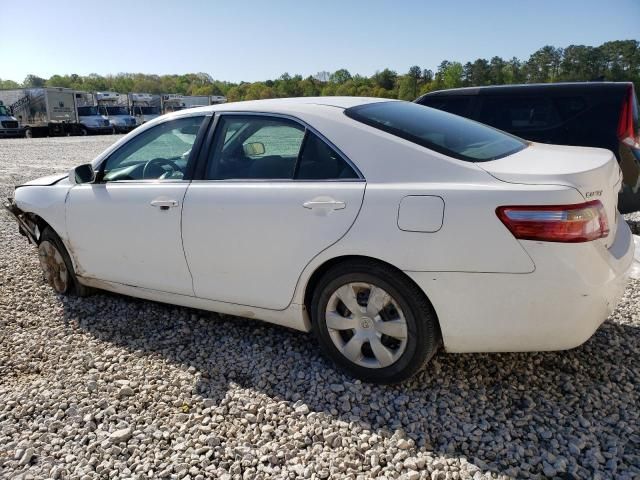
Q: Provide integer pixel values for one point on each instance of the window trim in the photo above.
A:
(206, 157)
(193, 159)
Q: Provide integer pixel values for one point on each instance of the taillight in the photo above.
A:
(628, 118)
(583, 222)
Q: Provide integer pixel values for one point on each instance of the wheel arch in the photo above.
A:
(323, 268)
(41, 223)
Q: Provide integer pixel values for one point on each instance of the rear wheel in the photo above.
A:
(57, 267)
(373, 322)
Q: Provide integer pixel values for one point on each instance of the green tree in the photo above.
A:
(544, 65)
(8, 84)
(415, 74)
(385, 79)
(340, 76)
(33, 81)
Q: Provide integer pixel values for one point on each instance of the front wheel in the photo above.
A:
(373, 322)
(57, 267)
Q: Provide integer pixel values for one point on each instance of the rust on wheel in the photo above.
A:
(53, 266)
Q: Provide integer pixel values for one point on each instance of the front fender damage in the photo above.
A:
(26, 224)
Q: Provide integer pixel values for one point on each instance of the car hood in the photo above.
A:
(44, 181)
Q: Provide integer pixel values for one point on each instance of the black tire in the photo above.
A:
(423, 332)
(73, 286)
(28, 133)
(83, 132)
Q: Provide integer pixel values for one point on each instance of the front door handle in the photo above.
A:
(330, 204)
(164, 204)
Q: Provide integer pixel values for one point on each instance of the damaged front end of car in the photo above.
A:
(27, 225)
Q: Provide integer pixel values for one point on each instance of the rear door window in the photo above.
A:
(436, 130)
(260, 147)
(514, 114)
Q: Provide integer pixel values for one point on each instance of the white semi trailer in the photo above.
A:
(172, 102)
(115, 107)
(144, 106)
(89, 116)
(47, 111)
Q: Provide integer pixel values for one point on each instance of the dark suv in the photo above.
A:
(593, 114)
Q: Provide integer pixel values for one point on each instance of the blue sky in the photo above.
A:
(257, 40)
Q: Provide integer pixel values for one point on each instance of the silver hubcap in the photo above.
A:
(366, 325)
(53, 266)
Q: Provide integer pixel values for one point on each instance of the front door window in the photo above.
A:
(160, 153)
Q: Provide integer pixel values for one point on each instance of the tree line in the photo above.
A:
(612, 61)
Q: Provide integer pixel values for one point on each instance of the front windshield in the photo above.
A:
(4, 111)
(117, 111)
(87, 111)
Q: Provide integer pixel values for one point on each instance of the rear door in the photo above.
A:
(61, 105)
(273, 195)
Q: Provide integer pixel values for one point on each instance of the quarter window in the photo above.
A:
(160, 153)
(321, 162)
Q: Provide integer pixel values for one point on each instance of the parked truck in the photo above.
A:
(144, 106)
(115, 107)
(9, 126)
(90, 119)
(43, 111)
(172, 102)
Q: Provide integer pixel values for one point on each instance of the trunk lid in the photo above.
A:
(594, 172)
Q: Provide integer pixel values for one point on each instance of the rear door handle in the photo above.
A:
(164, 204)
(330, 204)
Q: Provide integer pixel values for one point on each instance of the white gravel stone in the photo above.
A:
(120, 435)
(114, 387)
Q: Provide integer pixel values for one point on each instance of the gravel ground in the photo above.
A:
(114, 387)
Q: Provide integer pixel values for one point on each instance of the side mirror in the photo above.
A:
(253, 149)
(82, 174)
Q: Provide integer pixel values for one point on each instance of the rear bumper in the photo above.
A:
(573, 290)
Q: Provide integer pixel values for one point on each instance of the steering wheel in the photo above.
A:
(159, 162)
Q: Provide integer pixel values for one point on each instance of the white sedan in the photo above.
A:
(385, 227)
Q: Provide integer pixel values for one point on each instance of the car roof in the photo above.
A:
(533, 88)
(289, 104)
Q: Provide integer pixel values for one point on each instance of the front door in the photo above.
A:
(125, 228)
(275, 195)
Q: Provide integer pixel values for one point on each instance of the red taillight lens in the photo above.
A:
(628, 118)
(583, 222)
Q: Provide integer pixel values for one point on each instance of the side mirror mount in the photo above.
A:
(253, 149)
(82, 174)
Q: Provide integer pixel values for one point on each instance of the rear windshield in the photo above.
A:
(440, 131)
